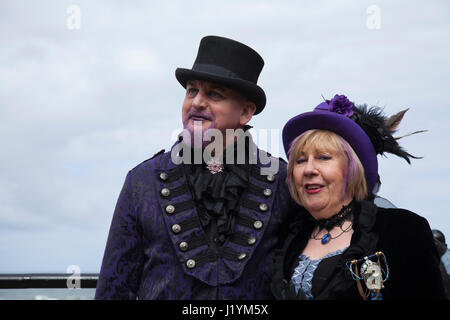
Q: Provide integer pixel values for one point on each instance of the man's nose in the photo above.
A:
(200, 101)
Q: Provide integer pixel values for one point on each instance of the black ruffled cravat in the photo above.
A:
(217, 196)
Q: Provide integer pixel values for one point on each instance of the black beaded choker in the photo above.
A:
(335, 221)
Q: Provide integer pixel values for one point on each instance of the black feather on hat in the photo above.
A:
(380, 128)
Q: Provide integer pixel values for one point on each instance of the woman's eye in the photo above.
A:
(301, 160)
(324, 157)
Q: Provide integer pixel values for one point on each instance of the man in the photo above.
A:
(199, 223)
(441, 246)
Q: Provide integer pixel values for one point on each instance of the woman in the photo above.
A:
(347, 247)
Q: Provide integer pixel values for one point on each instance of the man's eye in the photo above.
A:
(215, 94)
(191, 92)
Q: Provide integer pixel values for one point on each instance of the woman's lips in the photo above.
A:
(313, 188)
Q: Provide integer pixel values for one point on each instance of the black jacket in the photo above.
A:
(404, 237)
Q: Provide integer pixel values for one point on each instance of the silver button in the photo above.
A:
(242, 256)
(163, 176)
(165, 192)
(170, 209)
(251, 241)
(190, 263)
(176, 228)
(270, 178)
(267, 192)
(263, 207)
(257, 224)
(183, 246)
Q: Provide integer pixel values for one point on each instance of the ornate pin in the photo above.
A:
(214, 166)
(372, 272)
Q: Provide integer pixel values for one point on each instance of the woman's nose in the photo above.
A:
(310, 167)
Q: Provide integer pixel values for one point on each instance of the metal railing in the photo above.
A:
(48, 281)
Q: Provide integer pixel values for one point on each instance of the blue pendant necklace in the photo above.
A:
(336, 220)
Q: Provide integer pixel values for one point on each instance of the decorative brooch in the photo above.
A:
(214, 165)
(373, 271)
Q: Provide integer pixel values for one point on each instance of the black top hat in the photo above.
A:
(229, 63)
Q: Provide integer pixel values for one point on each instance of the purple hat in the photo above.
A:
(334, 115)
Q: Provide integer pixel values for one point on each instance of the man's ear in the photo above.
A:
(248, 110)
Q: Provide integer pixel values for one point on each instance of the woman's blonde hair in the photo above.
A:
(355, 181)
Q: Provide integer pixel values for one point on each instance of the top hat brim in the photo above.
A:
(250, 90)
(341, 125)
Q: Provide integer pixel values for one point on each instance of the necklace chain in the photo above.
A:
(328, 233)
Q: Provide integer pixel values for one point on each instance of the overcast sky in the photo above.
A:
(88, 92)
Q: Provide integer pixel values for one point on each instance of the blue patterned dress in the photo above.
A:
(304, 272)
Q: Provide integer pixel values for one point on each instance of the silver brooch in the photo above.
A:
(374, 271)
(371, 273)
(214, 165)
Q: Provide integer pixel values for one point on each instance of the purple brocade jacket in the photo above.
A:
(157, 249)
